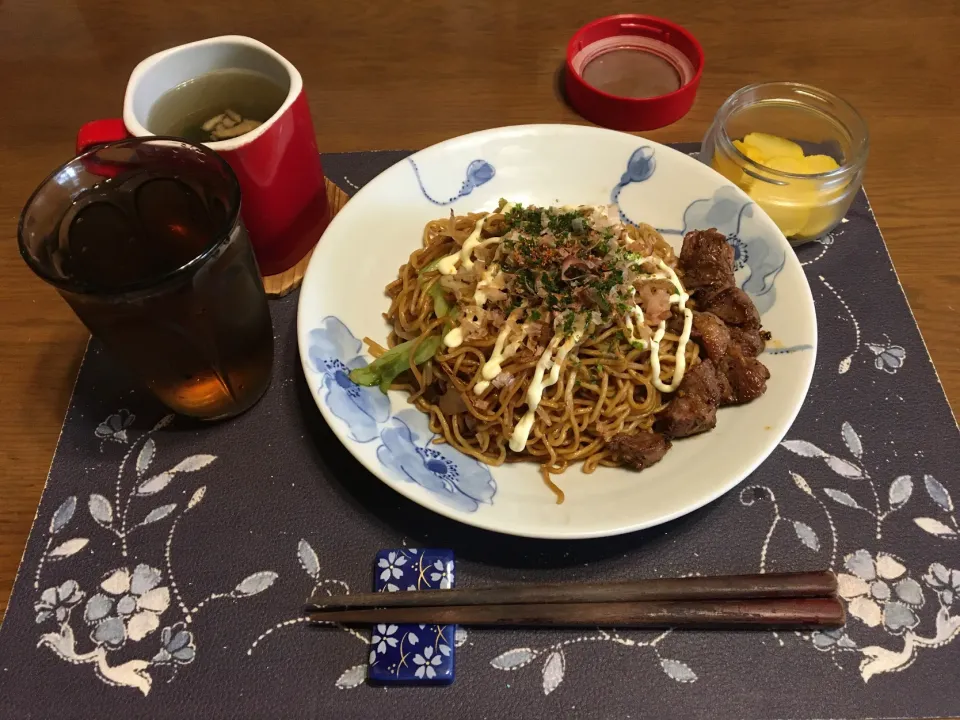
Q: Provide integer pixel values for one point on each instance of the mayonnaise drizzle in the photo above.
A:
(502, 351)
(448, 264)
(680, 298)
(636, 311)
(521, 433)
(488, 276)
(493, 367)
(454, 338)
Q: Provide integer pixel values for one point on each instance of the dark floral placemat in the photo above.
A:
(168, 562)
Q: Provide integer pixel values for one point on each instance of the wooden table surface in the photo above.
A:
(384, 75)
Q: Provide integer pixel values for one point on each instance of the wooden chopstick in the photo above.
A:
(730, 587)
(782, 613)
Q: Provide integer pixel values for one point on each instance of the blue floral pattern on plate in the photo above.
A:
(407, 447)
(757, 260)
(420, 654)
(787, 350)
(457, 480)
(333, 353)
(640, 167)
(478, 173)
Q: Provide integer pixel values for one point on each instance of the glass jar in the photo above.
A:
(805, 206)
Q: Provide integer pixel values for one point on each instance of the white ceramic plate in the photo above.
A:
(342, 300)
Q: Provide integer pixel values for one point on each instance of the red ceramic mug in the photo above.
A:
(284, 199)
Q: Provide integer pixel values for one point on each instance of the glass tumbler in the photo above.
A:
(144, 241)
(804, 206)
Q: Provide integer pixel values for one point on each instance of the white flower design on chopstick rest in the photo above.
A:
(391, 567)
(879, 591)
(383, 638)
(441, 574)
(428, 662)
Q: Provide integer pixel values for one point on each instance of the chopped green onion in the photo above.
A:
(432, 265)
(385, 369)
(440, 305)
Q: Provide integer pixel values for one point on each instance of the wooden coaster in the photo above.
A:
(282, 283)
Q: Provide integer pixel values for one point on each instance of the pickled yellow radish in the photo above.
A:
(783, 163)
(787, 207)
(820, 164)
(790, 205)
(755, 155)
(730, 170)
(772, 146)
(825, 212)
(819, 221)
(750, 151)
(800, 208)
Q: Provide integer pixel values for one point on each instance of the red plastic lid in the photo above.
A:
(633, 72)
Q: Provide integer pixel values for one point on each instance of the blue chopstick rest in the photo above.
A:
(412, 654)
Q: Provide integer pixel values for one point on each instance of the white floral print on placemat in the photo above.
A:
(885, 598)
(825, 242)
(888, 357)
(554, 656)
(354, 675)
(133, 599)
(882, 593)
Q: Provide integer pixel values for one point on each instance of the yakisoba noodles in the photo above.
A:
(552, 335)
